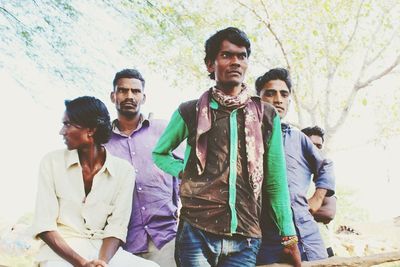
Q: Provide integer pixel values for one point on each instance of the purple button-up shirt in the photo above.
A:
(155, 197)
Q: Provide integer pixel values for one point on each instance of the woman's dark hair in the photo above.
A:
(231, 34)
(90, 112)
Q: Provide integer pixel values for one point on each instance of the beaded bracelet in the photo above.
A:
(288, 241)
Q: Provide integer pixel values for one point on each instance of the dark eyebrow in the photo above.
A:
(125, 88)
(234, 53)
(226, 52)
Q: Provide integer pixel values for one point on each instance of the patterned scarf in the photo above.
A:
(253, 135)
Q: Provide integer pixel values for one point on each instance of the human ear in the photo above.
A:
(112, 97)
(144, 98)
(210, 66)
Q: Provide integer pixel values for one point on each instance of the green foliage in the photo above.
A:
(364, 101)
(330, 46)
(339, 44)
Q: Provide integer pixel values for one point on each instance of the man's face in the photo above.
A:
(128, 96)
(230, 65)
(317, 141)
(75, 136)
(276, 93)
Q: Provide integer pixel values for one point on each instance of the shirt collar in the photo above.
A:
(72, 158)
(213, 104)
(143, 122)
(286, 128)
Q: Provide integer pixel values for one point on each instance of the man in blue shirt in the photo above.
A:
(327, 212)
(304, 163)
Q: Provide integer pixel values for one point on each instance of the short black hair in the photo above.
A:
(315, 130)
(90, 112)
(274, 74)
(231, 34)
(128, 73)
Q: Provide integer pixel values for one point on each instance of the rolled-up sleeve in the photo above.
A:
(47, 208)
(171, 138)
(117, 222)
(322, 167)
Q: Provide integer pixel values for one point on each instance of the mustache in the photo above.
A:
(129, 101)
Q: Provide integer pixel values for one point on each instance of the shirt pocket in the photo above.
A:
(95, 215)
(69, 209)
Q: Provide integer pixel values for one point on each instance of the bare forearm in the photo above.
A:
(109, 248)
(55, 241)
(316, 200)
(319, 194)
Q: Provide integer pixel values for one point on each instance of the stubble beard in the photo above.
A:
(128, 113)
(230, 85)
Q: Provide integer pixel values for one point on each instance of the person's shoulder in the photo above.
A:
(187, 110)
(296, 130)
(117, 161)
(158, 123)
(55, 154)
(297, 133)
(57, 158)
(188, 105)
(117, 166)
(268, 108)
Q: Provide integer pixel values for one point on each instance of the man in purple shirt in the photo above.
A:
(153, 224)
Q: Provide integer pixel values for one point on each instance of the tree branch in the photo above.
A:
(269, 27)
(344, 114)
(367, 62)
(171, 21)
(360, 85)
(353, 33)
(6, 12)
(356, 88)
(379, 54)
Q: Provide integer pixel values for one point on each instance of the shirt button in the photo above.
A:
(139, 189)
(145, 227)
(136, 170)
(143, 208)
(133, 153)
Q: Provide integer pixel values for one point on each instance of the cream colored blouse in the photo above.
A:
(62, 206)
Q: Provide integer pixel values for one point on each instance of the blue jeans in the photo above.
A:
(197, 248)
(271, 249)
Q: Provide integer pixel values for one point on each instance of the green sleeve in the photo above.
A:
(175, 132)
(275, 183)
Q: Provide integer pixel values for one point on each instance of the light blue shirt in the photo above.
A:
(305, 163)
